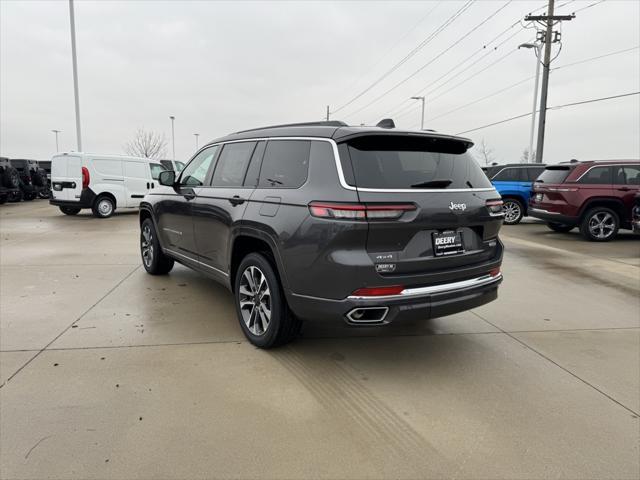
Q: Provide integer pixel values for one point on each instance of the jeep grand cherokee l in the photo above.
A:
(597, 196)
(311, 221)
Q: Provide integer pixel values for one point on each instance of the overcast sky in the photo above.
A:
(224, 66)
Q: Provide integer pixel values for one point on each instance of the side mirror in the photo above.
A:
(167, 178)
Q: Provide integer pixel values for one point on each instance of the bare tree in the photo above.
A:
(525, 156)
(484, 152)
(147, 144)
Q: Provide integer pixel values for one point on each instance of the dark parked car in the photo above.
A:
(513, 182)
(33, 180)
(9, 182)
(596, 196)
(321, 220)
(45, 167)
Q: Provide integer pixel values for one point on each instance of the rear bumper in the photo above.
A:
(87, 196)
(552, 217)
(411, 304)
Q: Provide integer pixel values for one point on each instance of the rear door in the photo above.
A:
(66, 177)
(450, 225)
(221, 203)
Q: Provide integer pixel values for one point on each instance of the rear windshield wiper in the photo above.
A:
(433, 184)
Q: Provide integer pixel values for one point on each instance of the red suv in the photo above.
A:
(597, 196)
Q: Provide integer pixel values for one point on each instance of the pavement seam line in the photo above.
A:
(524, 344)
(71, 324)
(240, 341)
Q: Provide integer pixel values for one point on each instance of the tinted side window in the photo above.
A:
(534, 172)
(597, 176)
(627, 175)
(285, 164)
(232, 164)
(194, 174)
(253, 172)
(507, 175)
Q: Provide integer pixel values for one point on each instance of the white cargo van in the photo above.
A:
(101, 182)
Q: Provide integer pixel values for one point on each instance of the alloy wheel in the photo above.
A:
(602, 225)
(146, 245)
(254, 297)
(511, 211)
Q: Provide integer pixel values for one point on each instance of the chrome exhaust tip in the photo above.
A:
(367, 315)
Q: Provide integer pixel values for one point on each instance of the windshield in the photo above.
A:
(554, 175)
(156, 168)
(401, 162)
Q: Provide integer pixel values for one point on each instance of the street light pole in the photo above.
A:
(75, 73)
(538, 48)
(56, 133)
(173, 137)
(422, 117)
(196, 135)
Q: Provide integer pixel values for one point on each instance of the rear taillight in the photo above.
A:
(86, 178)
(495, 207)
(494, 272)
(378, 291)
(359, 211)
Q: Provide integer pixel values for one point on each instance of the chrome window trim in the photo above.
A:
(629, 164)
(341, 177)
(171, 252)
(433, 289)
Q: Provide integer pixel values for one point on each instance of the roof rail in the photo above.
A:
(328, 123)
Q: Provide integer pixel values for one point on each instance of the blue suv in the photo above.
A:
(513, 182)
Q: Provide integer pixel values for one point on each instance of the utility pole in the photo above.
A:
(422, 118)
(196, 135)
(56, 133)
(173, 137)
(75, 73)
(549, 21)
(327, 113)
(538, 49)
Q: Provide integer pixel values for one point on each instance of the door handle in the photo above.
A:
(152, 186)
(147, 185)
(236, 200)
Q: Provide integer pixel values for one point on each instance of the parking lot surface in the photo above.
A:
(108, 372)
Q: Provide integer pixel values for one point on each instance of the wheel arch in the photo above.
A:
(249, 240)
(613, 203)
(516, 196)
(109, 195)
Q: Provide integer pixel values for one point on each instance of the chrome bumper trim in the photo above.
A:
(433, 289)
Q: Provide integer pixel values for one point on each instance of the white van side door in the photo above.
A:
(106, 176)
(137, 181)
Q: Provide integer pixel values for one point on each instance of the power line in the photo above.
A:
(402, 105)
(589, 6)
(415, 50)
(432, 60)
(596, 58)
(556, 107)
(617, 52)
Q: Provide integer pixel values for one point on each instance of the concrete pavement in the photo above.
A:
(108, 372)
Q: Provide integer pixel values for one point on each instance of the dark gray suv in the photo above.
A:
(320, 220)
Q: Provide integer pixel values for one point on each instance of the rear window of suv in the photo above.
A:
(555, 174)
(390, 162)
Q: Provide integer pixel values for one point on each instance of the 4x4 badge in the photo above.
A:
(457, 206)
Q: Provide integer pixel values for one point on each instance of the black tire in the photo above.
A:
(28, 196)
(103, 206)
(513, 211)
(600, 224)
(16, 196)
(154, 261)
(560, 227)
(44, 193)
(282, 326)
(69, 210)
(3, 199)
(10, 177)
